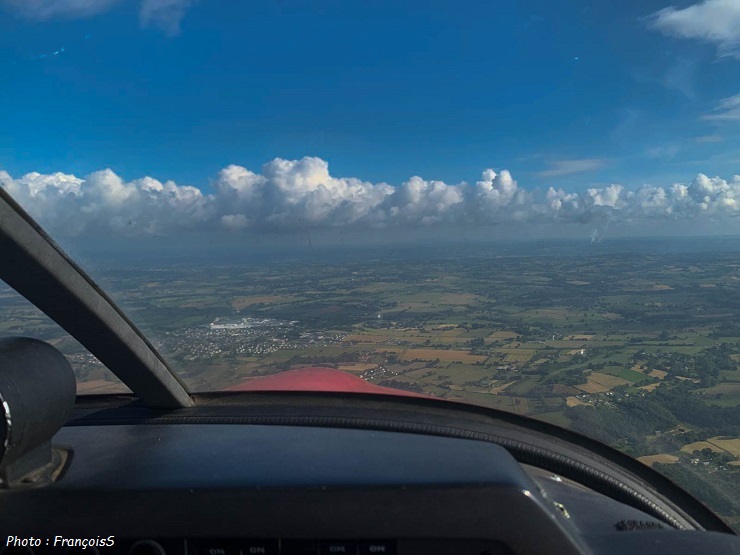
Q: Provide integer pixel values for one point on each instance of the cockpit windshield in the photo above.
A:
(531, 207)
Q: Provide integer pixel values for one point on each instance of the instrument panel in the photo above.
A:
(220, 546)
(233, 489)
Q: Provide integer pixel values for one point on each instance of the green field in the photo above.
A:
(725, 395)
(626, 373)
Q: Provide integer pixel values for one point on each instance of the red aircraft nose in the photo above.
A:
(317, 379)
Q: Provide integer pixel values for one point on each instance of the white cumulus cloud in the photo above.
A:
(291, 195)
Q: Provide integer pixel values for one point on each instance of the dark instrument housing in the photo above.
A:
(37, 394)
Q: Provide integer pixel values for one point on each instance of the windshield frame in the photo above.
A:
(38, 269)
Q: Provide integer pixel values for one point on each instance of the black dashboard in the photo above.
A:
(223, 487)
(339, 488)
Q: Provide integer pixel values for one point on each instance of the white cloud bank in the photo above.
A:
(714, 21)
(299, 194)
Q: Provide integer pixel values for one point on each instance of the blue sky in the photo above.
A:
(384, 90)
(563, 94)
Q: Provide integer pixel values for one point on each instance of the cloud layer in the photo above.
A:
(302, 194)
